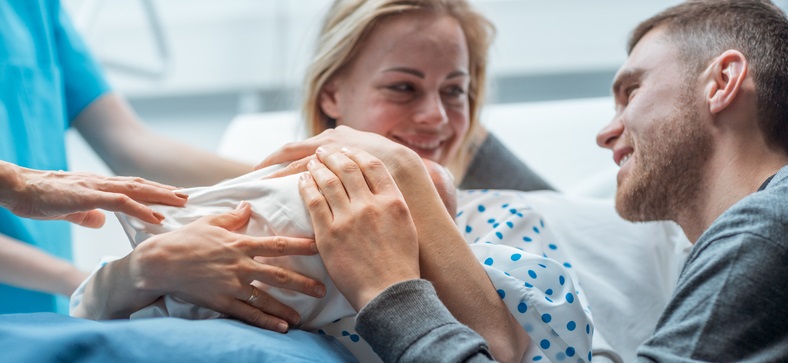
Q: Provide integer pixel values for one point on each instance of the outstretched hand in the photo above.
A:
(75, 197)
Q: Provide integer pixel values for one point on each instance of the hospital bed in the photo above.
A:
(627, 270)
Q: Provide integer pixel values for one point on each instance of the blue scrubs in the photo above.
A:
(47, 77)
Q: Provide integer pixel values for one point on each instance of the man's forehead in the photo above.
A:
(652, 50)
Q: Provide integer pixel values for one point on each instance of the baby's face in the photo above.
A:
(444, 183)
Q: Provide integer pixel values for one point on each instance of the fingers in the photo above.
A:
(315, 203)
(145, 191)
(290, 152)
(330, 186)
(377, 176)
(348, 171)
(278, 246)
(295, 167)
(90, 219)
(232, 220)
(283, 278)
(126, 205)
(264, 312)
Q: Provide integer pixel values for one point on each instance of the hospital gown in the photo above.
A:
(509, 238)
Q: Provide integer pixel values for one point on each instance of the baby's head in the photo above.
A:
(444, 183)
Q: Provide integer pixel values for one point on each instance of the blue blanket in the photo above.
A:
(48, 337)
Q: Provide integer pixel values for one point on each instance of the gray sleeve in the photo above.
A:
(729, 305)
(408, 323)
(495, 167)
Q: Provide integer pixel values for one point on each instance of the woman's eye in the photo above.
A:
(400, 87)
(455, 91)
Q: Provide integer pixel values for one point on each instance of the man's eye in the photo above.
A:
(629, 92)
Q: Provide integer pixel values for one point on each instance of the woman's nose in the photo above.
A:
(432, 111)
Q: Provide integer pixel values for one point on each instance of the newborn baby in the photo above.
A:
(277, 209)
(539, 291)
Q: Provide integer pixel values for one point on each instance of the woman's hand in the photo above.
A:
(75, 196)
(363, 227)
(207, 264)
(299, 153)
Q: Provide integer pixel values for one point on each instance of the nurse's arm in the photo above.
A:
(28, 267)
(128, 147)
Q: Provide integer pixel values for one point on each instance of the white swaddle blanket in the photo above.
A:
(511, 241)
(277, 209)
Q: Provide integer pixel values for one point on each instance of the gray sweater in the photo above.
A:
(731, 298)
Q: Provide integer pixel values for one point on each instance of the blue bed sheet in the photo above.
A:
(49, 337)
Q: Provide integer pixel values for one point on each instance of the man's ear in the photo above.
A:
(328, 99)
(725, 74)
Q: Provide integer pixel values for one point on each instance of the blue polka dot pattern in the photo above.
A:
(545, 344)
(530, 271)
(547, 318)
(570, 298)
(570, 352)
(522, 307)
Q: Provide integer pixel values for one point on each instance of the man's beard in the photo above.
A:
(669, 166)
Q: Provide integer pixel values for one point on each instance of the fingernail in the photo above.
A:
(242, 205)
(158, 215)
(312, 163)
(181, 195)
(320, 290)
(344, 150)
(320, 150)
(282, 327)
(314, 248)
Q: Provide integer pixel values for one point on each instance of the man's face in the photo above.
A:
(657, 136)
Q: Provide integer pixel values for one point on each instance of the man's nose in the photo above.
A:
(610, 133)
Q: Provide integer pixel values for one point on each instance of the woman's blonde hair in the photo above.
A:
(349, 22)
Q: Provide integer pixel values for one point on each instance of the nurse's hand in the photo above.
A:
(75, 197)
(299, 153)
(363, 228)
(207, 264)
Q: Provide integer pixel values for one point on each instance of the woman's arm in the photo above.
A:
(130, 148)
(206, 264)
(445, 258)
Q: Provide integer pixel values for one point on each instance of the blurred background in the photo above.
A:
(188, 67)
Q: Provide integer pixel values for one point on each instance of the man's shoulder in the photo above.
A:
(763, 214)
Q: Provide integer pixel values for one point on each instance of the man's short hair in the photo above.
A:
(703, 29)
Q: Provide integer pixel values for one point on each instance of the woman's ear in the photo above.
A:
(725, 77)
(328, 99)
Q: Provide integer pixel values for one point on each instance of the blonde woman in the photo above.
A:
(429, 100)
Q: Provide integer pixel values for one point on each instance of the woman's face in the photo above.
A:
(409, 82)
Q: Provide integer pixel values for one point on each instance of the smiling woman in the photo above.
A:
(414, 72)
